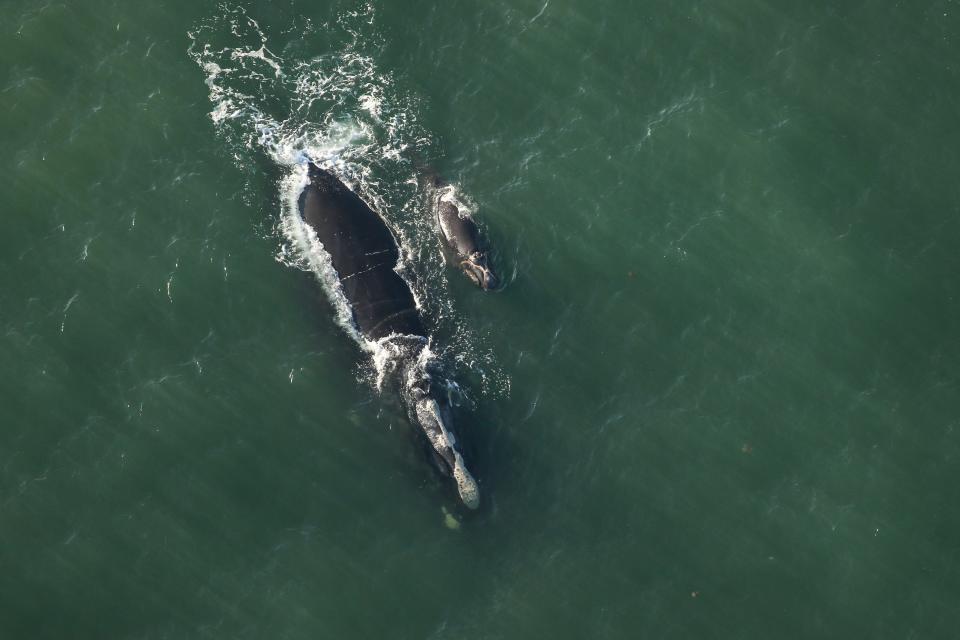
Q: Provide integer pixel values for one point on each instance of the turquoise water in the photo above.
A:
(717, 397)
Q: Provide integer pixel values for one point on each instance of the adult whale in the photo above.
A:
(365, 255)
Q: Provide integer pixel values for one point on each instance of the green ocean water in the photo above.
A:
(717, 397)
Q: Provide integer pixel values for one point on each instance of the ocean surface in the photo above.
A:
(717, 397)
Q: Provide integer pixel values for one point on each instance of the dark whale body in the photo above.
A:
(464, 245)
(364, 254)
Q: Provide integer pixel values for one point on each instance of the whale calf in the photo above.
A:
(461, 235)
(365, 254)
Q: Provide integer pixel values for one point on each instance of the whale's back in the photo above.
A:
(364, 254)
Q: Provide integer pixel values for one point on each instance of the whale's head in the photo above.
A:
(478, 268)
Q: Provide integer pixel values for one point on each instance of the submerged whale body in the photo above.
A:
(365, 255)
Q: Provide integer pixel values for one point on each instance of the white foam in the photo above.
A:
(262, 53)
